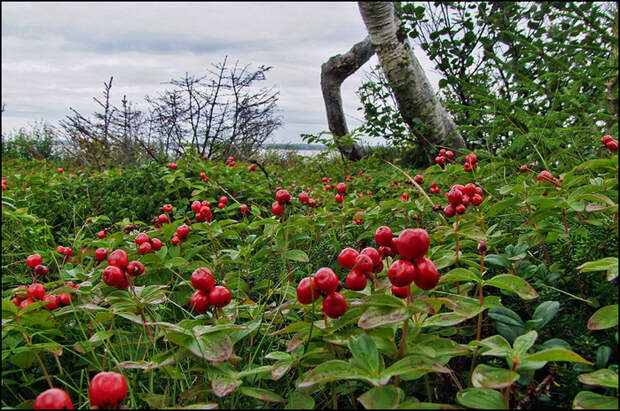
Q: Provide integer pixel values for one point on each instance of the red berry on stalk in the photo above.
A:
(33, 260)
(612, 145)
(334, 305)
(175, 239)
(107, 390)
(53, 399)
(40, 270)
(341, 187)
(449, 154)
(427, 275)
(326, 280)
(303, 197)
(63, 299)
(202, 279)
(100, 254)
(364, 264)
(36, 291)
(356, 281)
(243, 208)
(339, 198)
(307, 291)
(101, 234)
(373, 254)
(401, 273)
(199, 301)
(455, 196)
(135, 268)
(118, 258)
(113, 276)
(52, 302)
(347, 258)
(413, 243)
(145, 248)
(460, 209)
(156, 244)
(163, 218)
(383, 236)
(476, 199)
(449, 211)
(401, 292)
(182, 231)
(219, 296)
(167, 208)
(283, 197)
(277, 209)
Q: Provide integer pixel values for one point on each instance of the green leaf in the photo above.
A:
(556, 354)
(587, 400)
(602, 378)
(261, 394)
(481, 398)
(459, 274)
(216, 347)
(299, 401)
(524, 342)
(609, 264)
(485, 376)
(365, 353)
(545, 312)
(506, 315)
(513, 283)
(8, 308)
(497, 345)
(297, 255)
(223, 386)
(604, 317)
(379, 316)
(334, 370)
(414, 363)
(499, 260)
(444, 320)
(385, 397)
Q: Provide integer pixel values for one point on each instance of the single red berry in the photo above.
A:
(418, 179)
(303, 197)
(476, 200)
(334, 305)
(364, 264)
(175, 239)
(523, 168)
(196, 206)
(283, 197)
(163, 218)
(224, 199)
(107, 390)
(455, 196)
(449, 154)
(25, 303)
(52, 302)
(307, 290)
(427, 275)
(339, 198)
(182, 231)
(612, 145)
(202, 279)
(101, 234)
(449, 211)
(466, 200)
(156, 244)
(347, 258)
(113, 276)
(277, 209)
(373, 254)
(172, 166)
(378, 267)
(219, 296)
(401, 273)
(135, 268)
(385, 251)
(326, 280)
(341, 187)
(243, 208)
(63, 299)
(356, 280)
(605, 139)
(33, 260)
(60, 170)
(36, 291)
(167, 208)
(118, 258)
(199, 301)
(145, 248)
(383, 236)
(460, 209)
(40, 270)
(100, 254)
(482, 247)
(53, 399)
(401, 292)
(413, 243)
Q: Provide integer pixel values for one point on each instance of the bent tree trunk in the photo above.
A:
(418, 106)
(333, 72)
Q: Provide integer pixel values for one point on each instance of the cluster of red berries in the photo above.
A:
(304, 198)
(342, 190)
(67, 251)
(282, 197)
(418, 179)
(34, 261)
(525, 167)
(202, 210)
(130, 227)
(106, 391)
(546, 176)
(434, 189)
(471, 162)
(324, 283)
(610, 143)
(180, 234)
(115, 275)
(443, 156)
(172, 166)
(252, 168)
(412, 244)
(357, 219)
(208, 293)
(160, 220)
(146, 244)
(4, 184)
(230, 161)
(203, 177)
(223, 202)
(362, 265)
(460, 197)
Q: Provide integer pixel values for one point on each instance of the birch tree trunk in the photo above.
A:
(417, 103)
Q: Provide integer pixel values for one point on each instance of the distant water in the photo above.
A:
(302, 151)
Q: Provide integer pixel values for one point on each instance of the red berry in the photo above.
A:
(385, 251)
(413, 243)
(60, 170)
(442, 152)
(53, 399)
(612, 145)
(476, 199)
(219, 296)
(373, 254)
(199, 301)
(172, 166)
(341, 187)
(401, 292)
(101, 234)
(36, 291)
(378, 267)
(277, 209)
(63, 299)
(356, 281)
(135, 268)
(100, 254)
(202, 279)
(114, 277)
(339, 198)
(307, 290)
(145, 248)
(303, 197)
(52, 302)
(175, 239)
(455, 196)
(118, 258)
(182, 231)
(347, 258)
(364, 264)
(224, 199)
(163, 218)
(34, 260)
(334, 305)
(466, 200)
(449, 154)
(283, 197)
(25, 303)
(196, 206)
(605, 139)
(167, 208)
(243, 208)
(418, 179)
(156, 244)
(383, 236)
(460, 209)
(427, 275)
(107, 390)
(40, 270)
(401, 273)
(326, 280)
(449, 211)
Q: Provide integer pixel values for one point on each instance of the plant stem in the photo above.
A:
(148, 329)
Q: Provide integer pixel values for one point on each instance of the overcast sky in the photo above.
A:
(58, 55)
